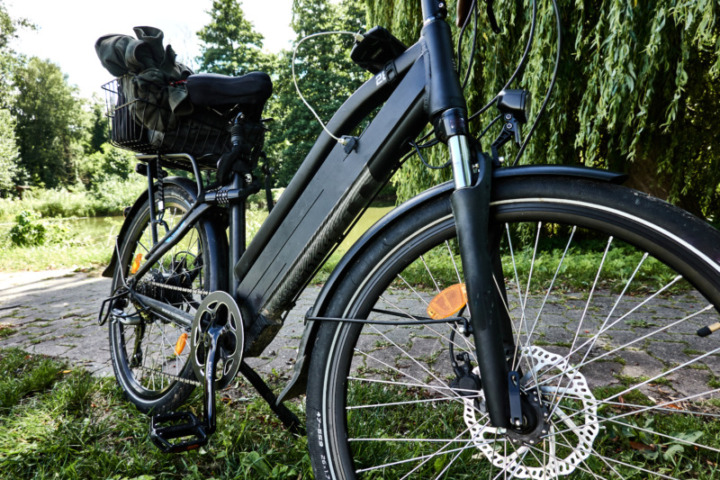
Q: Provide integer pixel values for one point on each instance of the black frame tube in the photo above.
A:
(445, 108)
(237, 232)
(151, 169)
(171, 238)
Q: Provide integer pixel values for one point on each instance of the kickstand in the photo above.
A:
(288, 418)
(182, 431)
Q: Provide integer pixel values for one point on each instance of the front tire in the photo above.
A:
(606, 289)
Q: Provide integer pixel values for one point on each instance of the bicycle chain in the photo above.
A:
(170, 375)
(194, 291)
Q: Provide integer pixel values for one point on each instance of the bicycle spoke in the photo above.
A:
(569, 300)
(423, 458)
(630, 343)
(646, 430)
(554, 400)
(407, 402)
(467, 347)
(405, 374)
(550, 288)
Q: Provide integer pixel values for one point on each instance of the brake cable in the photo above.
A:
(474, 12)
(520, 66)
(553, 79)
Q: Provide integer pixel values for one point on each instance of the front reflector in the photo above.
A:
(448, 302)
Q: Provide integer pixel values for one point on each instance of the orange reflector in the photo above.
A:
(136, 263)
(448, 302)
(180, 344)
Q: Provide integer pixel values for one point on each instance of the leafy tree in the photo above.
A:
(326, 76)
(49, 123)
(229, 44)
(98, 128)
(8, 31)
(637, 87)
(106, 163)
(9, 153)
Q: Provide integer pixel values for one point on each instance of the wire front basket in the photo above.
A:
(143, 127)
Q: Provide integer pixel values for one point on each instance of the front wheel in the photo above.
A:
(606, 289)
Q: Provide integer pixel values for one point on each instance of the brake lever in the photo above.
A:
(491, 16)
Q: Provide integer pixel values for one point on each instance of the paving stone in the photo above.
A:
(670, 353)
(639, 364)
(55, 313)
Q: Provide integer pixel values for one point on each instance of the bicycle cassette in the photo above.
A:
(218, 311)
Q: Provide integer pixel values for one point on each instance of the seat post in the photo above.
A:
(237, 230)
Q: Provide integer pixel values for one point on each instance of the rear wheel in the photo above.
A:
(150, 354)
(606, 289)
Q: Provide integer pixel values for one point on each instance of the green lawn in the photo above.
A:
(57, 422)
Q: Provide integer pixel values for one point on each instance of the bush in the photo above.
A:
(107, 163)
(28, 231)
(31, 231)
(112, 195)
(108, 197)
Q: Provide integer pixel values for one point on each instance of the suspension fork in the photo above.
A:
(471, 208)
(484, 281)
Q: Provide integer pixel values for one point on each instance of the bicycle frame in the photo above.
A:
(336, 183)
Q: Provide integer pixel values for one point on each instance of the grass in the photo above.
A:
(57, 422)
(68, 246)
(77, 250)
(81, 249)
(61, 423)
(576, 273)
(88, 244)
(633, 442)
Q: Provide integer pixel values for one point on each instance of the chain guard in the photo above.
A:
(218, 309)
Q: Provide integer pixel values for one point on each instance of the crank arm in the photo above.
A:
(182, 431)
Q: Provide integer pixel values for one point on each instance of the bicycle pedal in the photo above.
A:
(178, 432)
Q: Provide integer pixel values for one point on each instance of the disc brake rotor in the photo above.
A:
(572, 422)
(218, 309)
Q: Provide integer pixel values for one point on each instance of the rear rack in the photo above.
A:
(143, 127)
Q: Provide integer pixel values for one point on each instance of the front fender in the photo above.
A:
(296, 385)
(184, 183)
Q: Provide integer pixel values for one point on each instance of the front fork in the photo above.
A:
(491, 327)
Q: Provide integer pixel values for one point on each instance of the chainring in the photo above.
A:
(218, 309)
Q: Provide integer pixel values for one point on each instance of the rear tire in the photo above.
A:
(592, 338)
(153, 376)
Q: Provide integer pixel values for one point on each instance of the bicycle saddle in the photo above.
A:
(248, 92)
